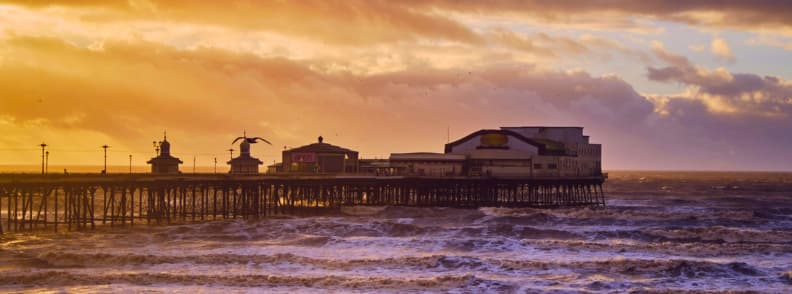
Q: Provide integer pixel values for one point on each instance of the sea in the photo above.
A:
(661, 232)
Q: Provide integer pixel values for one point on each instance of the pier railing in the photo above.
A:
(73, 202)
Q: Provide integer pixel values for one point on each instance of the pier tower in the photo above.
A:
(244, 164)
(164, 163)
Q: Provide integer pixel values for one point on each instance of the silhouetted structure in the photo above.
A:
(79, 202)
(164, 163)
(251, 140)
(42, 157)
(275, 168)
(508, 151)
(320, 157)
(427, 164)
(507, 167)
(244, 164)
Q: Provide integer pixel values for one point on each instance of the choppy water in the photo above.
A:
(666, 232)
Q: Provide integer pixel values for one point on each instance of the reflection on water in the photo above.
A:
(661, 231)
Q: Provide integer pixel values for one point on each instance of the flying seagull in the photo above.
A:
(252, 140)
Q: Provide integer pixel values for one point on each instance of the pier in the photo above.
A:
(79, 202)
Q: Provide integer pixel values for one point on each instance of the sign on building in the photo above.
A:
(303, 157)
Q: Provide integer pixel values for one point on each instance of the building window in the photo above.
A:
(552, 166)
(537, 166)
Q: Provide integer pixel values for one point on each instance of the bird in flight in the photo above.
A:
(251, 140)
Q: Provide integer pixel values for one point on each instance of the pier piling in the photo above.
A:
(82, 202)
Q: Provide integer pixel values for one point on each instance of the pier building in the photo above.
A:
(320, 157)
(244, 164)
(509, 151)
(164, 163)
(428, 164)
(580, 157)
(376, 166)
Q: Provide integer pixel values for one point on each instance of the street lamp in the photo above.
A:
(42, 156)
(130, 164)
(215, 165)
(46, 163)
(232, 152)
(104, 171)
(156, 148)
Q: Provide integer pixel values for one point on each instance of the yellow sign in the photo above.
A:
(494, 139)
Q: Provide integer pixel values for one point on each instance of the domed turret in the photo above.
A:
(165, 147)
(245, 164)
(164, 163)
(244, 148)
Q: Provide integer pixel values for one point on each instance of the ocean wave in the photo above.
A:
(620, 215)
(684, 238)
(688, 249)
(285, 230)
(434, 213)
(54, 260)
(619, 265)
(774, 213)
(521, 223)
(643, 267)
(309, 241)
(723, 234)
(786, 277)
(62, 278)
(362, 210)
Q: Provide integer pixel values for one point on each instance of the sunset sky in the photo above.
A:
(688, 85)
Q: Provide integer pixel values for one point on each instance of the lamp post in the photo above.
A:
(130, 164)
(193, 164)
(42, 156)
(104, 171)
(215, 165)
(46, 163)
(232, 152)
(156, 148)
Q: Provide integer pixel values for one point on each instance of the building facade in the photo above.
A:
(320, 157)
(530, 151)
(427, 164)
(509, 151)
(585, 158)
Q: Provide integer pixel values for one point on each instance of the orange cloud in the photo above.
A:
(129, 92)
(337, 22)
(125, 93)
(724, 91)
(767, 15)
(371, 22)
(720, 48)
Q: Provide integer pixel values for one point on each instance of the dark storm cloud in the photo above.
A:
(364, 21)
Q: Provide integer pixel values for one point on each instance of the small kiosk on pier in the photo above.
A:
(244, 164)
(164, 163)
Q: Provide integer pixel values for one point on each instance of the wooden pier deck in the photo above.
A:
(76, 202)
